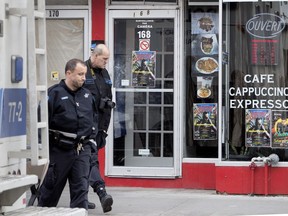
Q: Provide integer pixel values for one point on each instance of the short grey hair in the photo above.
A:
(98, 50)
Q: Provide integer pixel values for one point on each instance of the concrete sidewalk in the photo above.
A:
(176, 202)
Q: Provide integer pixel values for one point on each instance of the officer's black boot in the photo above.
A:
(91, 205)
(106, 200)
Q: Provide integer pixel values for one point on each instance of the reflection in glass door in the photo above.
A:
(144, 80)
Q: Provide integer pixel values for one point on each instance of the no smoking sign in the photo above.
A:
(144, 44)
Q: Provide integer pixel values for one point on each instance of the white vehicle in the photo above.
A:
(23, 87)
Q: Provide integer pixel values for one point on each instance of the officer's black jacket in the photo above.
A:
(99, 83)
(72, 111)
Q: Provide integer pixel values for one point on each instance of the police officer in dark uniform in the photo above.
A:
(99, 83)
(72, 133)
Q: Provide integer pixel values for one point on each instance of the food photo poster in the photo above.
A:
(204, 86)
(204, 43)
(203, 23)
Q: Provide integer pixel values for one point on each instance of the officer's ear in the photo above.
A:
(95, 55)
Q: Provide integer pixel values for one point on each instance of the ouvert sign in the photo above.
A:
(265, 25)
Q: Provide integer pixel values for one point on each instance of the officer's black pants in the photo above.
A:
(95, 179)
(67, 164)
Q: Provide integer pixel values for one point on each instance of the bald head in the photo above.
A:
(100, 56)
(100, 49)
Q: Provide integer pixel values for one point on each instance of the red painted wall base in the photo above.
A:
(260, 180)
(196, 176)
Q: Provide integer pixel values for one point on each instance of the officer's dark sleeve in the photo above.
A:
(95, 114)
(106, 117)
(50, 107)
(51, 99)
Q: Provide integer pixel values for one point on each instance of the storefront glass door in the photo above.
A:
(145, 67)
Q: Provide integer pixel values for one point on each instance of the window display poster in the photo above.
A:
(205, 66)
(280, 129)
(204, 86)
(203, 23)
(143, 68)
(204, 45)
(257, 127)
(205, 121)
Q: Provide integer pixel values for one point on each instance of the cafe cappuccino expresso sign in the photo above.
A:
(265, 25)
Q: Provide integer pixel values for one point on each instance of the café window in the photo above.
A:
(255, 39)
(202, 72)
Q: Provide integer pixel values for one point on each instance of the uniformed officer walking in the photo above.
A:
(99, 83)
(72, 133)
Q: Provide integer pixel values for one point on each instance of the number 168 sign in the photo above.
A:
(144, 39)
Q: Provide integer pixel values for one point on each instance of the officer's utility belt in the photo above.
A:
(66, 140)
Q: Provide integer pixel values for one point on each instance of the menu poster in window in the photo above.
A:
(280, 129)
(205, 65)
(257, 127)
(205, 121)
(203, 23)
(264, 51)
(143, 68)
(204, 44)
(204, 86)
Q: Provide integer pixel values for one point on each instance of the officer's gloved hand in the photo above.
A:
(93, 144)
(101, 139)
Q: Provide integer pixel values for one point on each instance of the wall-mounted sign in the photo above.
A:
(54, 75)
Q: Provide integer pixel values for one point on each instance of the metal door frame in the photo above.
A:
(167, 172)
